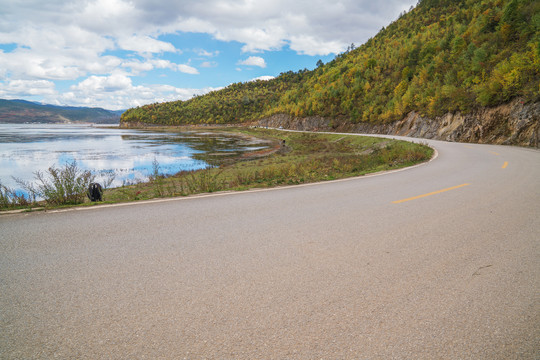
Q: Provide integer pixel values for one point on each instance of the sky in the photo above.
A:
(118, 54)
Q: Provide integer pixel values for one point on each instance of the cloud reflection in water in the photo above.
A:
(129, 154)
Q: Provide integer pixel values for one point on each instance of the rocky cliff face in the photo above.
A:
(514, 123)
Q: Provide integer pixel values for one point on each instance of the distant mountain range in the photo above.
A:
(22, 111)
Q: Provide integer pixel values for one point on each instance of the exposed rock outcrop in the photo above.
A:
(514, 123)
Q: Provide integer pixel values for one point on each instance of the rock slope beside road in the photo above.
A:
(514, 123)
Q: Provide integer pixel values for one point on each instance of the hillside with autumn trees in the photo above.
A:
(442, 56)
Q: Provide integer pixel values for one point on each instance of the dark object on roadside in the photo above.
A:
(95, 192)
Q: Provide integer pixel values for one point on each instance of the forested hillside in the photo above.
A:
(442, 56)
(236, 103)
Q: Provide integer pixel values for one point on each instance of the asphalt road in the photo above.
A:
(440, 261)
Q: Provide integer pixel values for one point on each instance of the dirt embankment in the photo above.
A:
(514, 123)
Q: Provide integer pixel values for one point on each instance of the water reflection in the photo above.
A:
(129, 154)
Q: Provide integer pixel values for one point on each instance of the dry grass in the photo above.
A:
(303, 158)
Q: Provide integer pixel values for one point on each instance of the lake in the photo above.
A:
(129, 155)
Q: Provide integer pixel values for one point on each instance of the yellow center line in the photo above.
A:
(429, 194)
(504, 165)
(468, 146)
(494, 153)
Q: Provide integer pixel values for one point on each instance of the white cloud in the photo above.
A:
(255, 39)
(202, 52)
(315, 27)
(145, 44)
(209, 64)
(253, 61)
(187, 69)
(115, 18)
(56, 53)
(111, 83)
(118, 92)
(137, 66)
(263, 78)
(23, 64)
(309, 45)
(311, 26)
(21, 88)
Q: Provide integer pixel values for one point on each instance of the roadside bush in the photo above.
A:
(60, 186)
(204, 181)
(10, 198)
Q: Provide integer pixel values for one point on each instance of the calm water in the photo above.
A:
(129, 154)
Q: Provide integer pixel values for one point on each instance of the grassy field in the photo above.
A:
(296, 158)
(293, 158)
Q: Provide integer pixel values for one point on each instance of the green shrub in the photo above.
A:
(10, 198)
(67, 185)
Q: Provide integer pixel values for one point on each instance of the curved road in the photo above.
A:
(440, 261)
